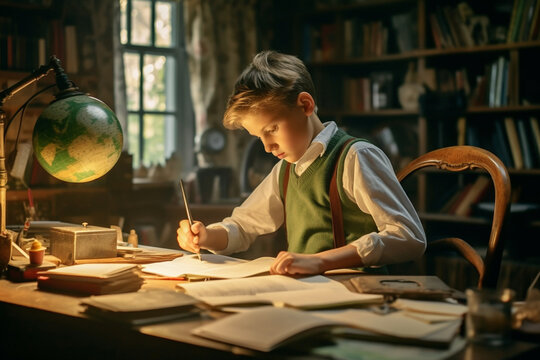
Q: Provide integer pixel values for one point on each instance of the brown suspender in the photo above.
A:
(335, 201)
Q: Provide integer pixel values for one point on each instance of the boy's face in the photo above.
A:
(285, 132)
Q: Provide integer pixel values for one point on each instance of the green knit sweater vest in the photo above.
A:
(307, 206)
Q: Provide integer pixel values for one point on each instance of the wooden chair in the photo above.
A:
(460, 158)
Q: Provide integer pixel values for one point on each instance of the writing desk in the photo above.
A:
(35, 323)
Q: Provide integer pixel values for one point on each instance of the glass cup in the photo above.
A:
(489, 316)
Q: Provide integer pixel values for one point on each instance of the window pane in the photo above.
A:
(133, 77)
(154, 140)
(133, 139)
(140, 22)
(123, 22)
(164, 26)
(159, 83)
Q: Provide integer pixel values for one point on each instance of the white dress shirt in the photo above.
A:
(368, 180)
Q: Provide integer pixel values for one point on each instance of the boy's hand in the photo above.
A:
(191, 238)
(291, 263)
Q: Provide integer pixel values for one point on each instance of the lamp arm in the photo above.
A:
(62, 80)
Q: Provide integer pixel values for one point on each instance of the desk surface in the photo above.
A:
(35, 321)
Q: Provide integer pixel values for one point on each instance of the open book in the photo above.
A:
(256, 285)
(267, 328)
(92, 279)
(212, 266)
(142, 307)
(313, 292)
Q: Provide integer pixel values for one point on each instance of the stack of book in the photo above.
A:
(92, 279)
(142, 307)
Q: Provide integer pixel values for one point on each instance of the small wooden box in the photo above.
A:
(71, 243)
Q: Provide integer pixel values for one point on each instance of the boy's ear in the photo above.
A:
(306, 101)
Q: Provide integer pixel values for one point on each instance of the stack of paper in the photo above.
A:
(92, 279)
(142, 307)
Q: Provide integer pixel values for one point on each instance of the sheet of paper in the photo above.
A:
(431, 307)
(393, 324)
(236, 271)
(255, 285)
(320, 297)
(429, 318)
(190, 264)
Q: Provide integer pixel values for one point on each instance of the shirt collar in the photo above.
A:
(318, 144)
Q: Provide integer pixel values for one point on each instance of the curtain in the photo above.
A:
(120, 100)
(220, 42)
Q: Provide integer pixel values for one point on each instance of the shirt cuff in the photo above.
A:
(232, 234)
(370, 248)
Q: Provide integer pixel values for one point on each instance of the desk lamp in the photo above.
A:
(77, 138)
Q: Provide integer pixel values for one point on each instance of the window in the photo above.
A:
(155, 73)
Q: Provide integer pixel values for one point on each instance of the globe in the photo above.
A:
(77, 139)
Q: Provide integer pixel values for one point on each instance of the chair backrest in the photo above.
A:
(460, 158)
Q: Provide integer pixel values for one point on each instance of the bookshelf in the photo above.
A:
(452, 47)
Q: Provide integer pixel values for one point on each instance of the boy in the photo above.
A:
(273, 99)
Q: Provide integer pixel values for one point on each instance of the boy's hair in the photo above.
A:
(272, 79)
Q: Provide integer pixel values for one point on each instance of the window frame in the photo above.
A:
(183, 142)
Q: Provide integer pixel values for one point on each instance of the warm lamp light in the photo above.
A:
(77, 138)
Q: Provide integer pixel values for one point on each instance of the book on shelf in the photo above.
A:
(500, 144)
(141, 307)
(454, 201)
(467, 134)
(382, 90)
(515, 21)
(535, 137)
(406, 31)
(438, 39)
(513, 140)
(441, 203)
(92, 279)
(473, 195)
(499, 98)
(328, 42)
(478, 95)
(465, 19)
(526, 146)
(535, 23)
(528, 14)
(452, 19)
(352, 90)
(348, 38)
(285, 325)
(445, 27)
(524, 21)
(492, 84)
